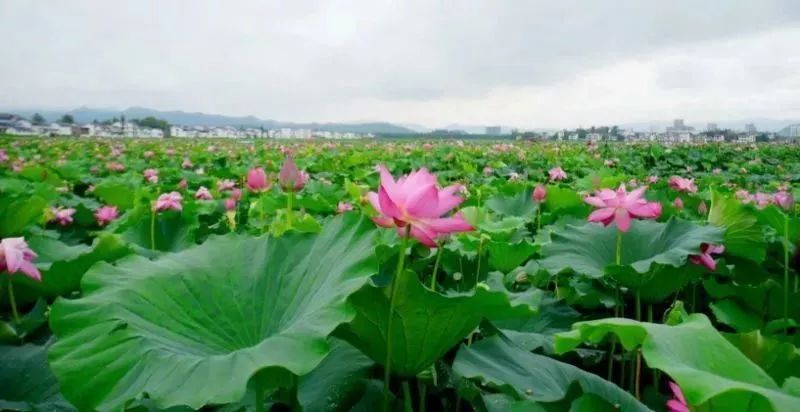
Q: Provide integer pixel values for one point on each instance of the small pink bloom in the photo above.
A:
(785, 200)
(3, 156)
(225, 185)
(169, 201)
(183, 184)
(620, 206)
(187, 164)
(290, 177)
(705, 258)
(557, 173)
(115, 167)
(682, 184)
(487, 171)
(203, 194)
(148, 154)
(678, 402)
(344, 207)
(16, 256)
(105, 214)
(763, 199)
(744, 196)
(170, 152)
(702, 209)
(230, 204)
(678, 203)
(539, 194)
(257, 180)
(62, 216)
(151, 175)
(417, 201)
(236, 194)
(652, 179)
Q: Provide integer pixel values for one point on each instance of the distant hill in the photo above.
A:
(87, 115)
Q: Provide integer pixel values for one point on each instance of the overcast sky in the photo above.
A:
(520, 63)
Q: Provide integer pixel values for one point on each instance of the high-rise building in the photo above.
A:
(494, 130)
(712, 127)
(750, 128)
(678, 124)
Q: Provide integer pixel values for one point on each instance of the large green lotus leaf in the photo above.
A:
(192, 328)
(743, 234)
(426, 324)
(63, 266)
(520, 204)
(776, 219)
(337, 383)
(729, 312)
(709, 369)
(117, 191)
(528, 376)
(16, 213)
(590, 249)
(781, 360)
(174, 231)
(26, 383)
(657, 284)
(537, 331)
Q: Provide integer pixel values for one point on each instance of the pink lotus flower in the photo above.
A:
(744, 196)
(290, 177)
(257, 180)
(705, 258)
(148, 154)
(62, 216)
(169, 201)
(230, 204)
(187, 164)
(236, 194)
(620, 206)
(678, 203)
(702, 209)
(652, 179)
(3, 156)
(105, 214)
(343, 207)
(557, 173)
(225, 184)
(417, 201)
(151, 175)
(183, 184)
(785, 200)
(678, 402)
(682, 184)
(539, 194)
(16, 256)
(763, 199)
(115, 167)
(203, 194)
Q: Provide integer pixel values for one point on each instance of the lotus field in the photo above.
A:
(397, 276)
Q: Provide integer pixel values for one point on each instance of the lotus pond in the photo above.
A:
(397, 275)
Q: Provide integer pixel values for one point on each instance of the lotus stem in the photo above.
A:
(387, 368)
(436, 266)
(153, 230)
(260, 397)
(786, 275)
(289, 202)
(480, 255)
(407, 398)
(538, 218)
(12, 301)
(422, 389)
(638, 373)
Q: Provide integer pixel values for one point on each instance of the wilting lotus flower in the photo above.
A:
(151, 175)
(785, 200)
(105, 214)
(539, 194)
(557, 173)
(187, 164)
(678, 402)
(705, 258)
(203, 194)
(513, 176)
(290, 177)
(702, 209)
(62, 216)
(225, 184)
(169, 201)
(682, 184)
(417, 201)
(678, 203)
(344, 207)
(16, 256)
(257, 180)
(620, 206)
(487, 171)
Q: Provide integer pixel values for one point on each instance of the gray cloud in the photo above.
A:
(363, 59)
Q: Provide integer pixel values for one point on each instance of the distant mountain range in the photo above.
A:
(87, 115)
